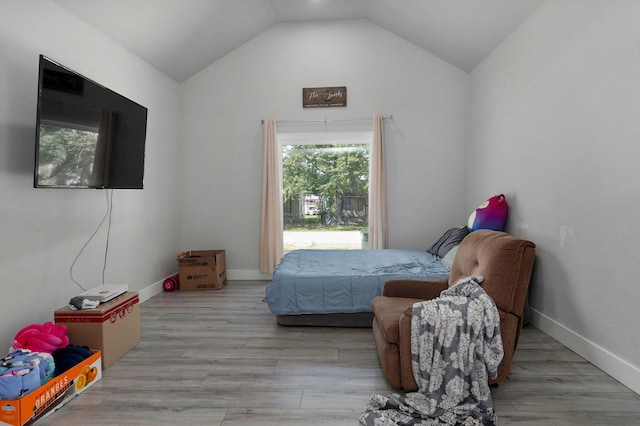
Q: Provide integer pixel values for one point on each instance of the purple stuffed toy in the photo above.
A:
(492, 214)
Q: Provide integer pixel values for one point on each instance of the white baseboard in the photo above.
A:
(621, 370)
(150, 291)
(232, 275)
(247, 275)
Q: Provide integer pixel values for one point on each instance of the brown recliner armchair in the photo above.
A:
(503, 260)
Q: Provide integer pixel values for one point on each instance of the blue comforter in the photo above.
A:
(343, 281)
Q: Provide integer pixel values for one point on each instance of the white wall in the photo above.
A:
(555, 124)
(223, 105)
(42, 230)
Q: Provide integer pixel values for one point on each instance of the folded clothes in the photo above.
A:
(18, 381)
(23, 371)
(25, 358)
(70, 356)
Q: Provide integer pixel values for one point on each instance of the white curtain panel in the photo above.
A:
(377, 188)
(271, 244)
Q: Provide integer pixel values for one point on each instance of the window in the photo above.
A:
(325, 184)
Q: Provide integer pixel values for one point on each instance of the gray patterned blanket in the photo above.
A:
(456, 346)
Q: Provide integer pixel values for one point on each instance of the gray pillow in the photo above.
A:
(448, 240)
(447, 261)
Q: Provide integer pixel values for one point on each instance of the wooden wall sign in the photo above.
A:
(315, 97)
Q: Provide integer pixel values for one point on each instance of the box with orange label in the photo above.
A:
(113, 327)
(53, 394)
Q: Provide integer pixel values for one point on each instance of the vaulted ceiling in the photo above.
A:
(182, 37)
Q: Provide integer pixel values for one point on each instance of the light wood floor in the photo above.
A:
(219, 358)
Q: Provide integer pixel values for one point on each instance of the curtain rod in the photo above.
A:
(327, 120)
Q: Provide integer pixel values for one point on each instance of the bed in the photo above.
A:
(336, 287)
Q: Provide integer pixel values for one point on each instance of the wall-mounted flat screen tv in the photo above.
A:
(87, 136)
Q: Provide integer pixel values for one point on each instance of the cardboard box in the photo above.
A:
(112, 327)
(202, 270)
(52, 395)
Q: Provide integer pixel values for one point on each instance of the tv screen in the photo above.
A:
(87, 136)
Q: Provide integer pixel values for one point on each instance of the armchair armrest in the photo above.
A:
(415, 289)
